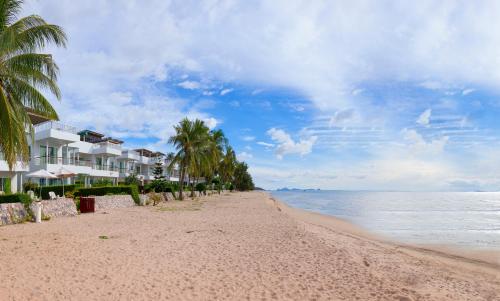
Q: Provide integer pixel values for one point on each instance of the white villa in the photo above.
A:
(90, 155)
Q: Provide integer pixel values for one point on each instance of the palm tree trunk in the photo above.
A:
(181, 181)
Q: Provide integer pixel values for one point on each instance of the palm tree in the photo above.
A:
(218, 143)
(23, 73)
(227, 165)
(190, 142)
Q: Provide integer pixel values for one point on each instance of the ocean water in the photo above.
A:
(464, 219)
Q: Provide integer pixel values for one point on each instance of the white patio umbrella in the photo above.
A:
(63, 173)
(41, 174)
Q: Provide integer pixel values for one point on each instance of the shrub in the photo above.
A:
(159, 186)
(30, 186)
(110, 190)
(15, 198)
(102, 182)
(57, 189)
(77, 204)
(229, 186)
(132, 180)
(155, 197)
(201, 187)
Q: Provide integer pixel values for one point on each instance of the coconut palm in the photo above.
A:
(227, 165)
(218, 142)
(190, 142)
(23, 74)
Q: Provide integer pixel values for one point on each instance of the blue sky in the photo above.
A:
(383, 95)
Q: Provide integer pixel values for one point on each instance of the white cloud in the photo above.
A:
(225, 91)
(425, 117)
(467, 91)
(248, 138)
(419, 39)
(341, 117)
(432, 85)
(265, 144)
(243, 156)
(211, 122)
(286, 145)
(189, 85)
(419, 145)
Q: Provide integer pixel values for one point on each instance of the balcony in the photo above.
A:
(130, 155)
(56, 131)
(99, 170)
(53, 164)
(107, 148)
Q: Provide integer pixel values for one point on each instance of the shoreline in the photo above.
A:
(484, 260)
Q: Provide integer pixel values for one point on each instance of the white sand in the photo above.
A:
(241, 246)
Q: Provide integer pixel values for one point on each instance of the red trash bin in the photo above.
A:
(87, 204)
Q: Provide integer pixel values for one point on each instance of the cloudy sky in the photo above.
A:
(384, 95)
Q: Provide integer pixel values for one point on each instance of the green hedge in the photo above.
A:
(15, 198)
(107, 190)
(57, 189)
(7, 187)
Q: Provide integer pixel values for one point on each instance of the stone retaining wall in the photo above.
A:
(12, 213)
(113, 201)
(58, 207)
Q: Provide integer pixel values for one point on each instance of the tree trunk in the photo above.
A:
(181, 182)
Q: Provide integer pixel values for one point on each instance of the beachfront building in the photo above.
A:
(10, 181)
(91, 156)
(138, 162)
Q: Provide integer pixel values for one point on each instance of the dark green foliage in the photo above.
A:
(19, 198)
(7, 187)
(201, 187)
(15, 198)
(30, 186)
(110, 190)
(57, 189)
(229, 186)
(77, 204)
(158, 186)
(242, 179)
(132, 180)
(216, 181)
(134, 192)
(174, 186)
(102, 182)
(158, 170)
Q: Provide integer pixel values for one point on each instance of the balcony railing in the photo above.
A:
(105, 167)
(60, 160)
(55, 125)
(74, 162)
(110, 145)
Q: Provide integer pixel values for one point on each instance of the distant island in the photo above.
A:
(297, 189)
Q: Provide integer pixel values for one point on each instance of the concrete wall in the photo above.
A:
(12, 213)
(113, 201)
(58, 207)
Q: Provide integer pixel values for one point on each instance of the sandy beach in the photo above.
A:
(237, 246)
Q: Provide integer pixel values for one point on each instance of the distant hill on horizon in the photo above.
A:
(297, 189)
